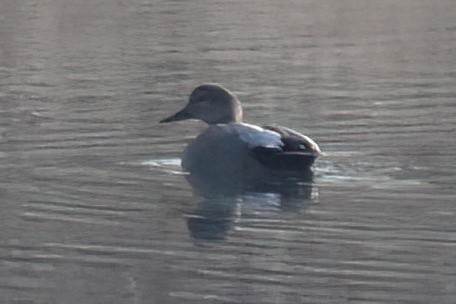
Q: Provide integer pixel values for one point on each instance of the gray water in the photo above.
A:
(95, 209)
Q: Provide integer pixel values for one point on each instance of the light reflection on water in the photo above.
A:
(95, 207)
(222, 203)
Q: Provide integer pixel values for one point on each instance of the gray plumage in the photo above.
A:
(231, 147)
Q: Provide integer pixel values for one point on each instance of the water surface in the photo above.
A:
(94, 206)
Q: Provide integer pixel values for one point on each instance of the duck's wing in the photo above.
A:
(297, 152)
(231, 147)
(294, 141)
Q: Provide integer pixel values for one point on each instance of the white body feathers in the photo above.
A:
(255, 136)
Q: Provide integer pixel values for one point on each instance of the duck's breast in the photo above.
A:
(227, 149)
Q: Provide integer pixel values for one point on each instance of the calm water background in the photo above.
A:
(94, 208)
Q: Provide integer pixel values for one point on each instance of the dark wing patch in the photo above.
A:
(294, 141)
(297, 154)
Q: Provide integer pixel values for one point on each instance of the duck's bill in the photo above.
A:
(181, 115)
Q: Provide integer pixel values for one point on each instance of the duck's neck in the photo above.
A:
(232, 114)
(238, 113)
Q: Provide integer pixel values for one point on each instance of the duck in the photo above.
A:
(231, 148)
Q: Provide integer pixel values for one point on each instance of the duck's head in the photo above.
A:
(212, 104)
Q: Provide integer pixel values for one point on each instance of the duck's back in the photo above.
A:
(247, 151)
(297, 154)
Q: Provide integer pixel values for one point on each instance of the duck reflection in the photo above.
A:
(225, 197)
(232, 161)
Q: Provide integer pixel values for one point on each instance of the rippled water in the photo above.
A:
(94, 206)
